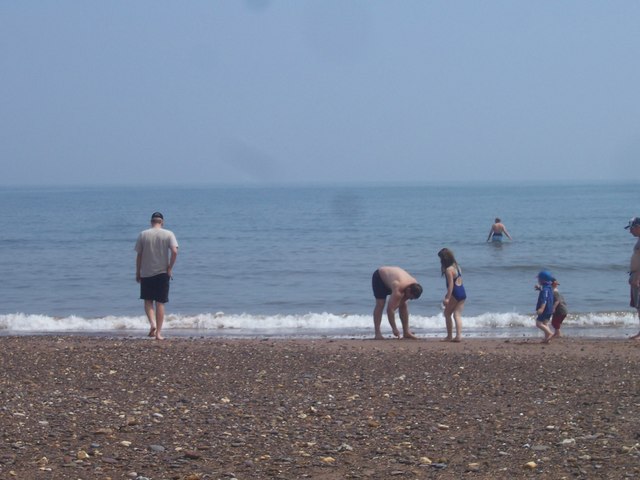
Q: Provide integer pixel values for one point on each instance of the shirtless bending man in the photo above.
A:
(402, 287)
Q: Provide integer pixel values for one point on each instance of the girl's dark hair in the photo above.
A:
(446, 259)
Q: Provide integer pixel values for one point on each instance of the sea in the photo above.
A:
(284, 261)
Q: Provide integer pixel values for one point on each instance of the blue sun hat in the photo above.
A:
(545, 276)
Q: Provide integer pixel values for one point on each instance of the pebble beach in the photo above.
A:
(82, 407)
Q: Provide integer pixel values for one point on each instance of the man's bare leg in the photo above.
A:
(377, 318)
(159, 320)
(637, 335)
(151, 316)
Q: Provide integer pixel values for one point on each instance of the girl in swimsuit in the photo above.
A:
(455, 297)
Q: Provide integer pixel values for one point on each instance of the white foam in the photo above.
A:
(283, 324)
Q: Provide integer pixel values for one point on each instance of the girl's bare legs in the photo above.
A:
(453, 311)
(457, 316)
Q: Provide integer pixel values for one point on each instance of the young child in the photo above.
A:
(544, 307)
(559, 309)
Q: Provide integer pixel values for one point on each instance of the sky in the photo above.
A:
(153, 92)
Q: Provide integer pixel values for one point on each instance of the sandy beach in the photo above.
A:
(81, 407)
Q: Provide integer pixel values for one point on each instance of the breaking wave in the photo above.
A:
(312, 324)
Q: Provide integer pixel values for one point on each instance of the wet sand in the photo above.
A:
(80, 407)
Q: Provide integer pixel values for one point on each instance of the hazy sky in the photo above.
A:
(251, 92)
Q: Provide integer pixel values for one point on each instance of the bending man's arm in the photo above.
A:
(394, 302)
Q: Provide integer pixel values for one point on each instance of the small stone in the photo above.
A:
(82, 455)
(425, 461)
(539, 448)
(530, 465)
(192, 455)
(328, 460)
(125, 443)
(473, 467)
(156, 448)
(568, 441)
(442, 426)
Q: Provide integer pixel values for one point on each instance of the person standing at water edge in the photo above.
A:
(157, 250)
(634, 269)
(544, 306)
(402, 287)
(455, 297)
(497, 230)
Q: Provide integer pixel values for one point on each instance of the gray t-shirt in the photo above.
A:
(154, 244)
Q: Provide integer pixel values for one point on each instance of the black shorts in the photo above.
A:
(380, 290)
(155, 288)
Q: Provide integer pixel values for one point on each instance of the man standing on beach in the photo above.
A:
(634, 268)
(157, 250)
(402, 287)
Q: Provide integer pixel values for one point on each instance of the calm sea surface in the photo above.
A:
(300, 259)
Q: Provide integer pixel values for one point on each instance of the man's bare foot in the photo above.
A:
(446, 339)
(152, 332)
(547, 339)
(635, 337)
(456, 340)
(378, 337)
(409, 336)
(159, 337)
(396, 333)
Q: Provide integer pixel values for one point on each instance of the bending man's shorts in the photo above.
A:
(155, 288)
(380, 290)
